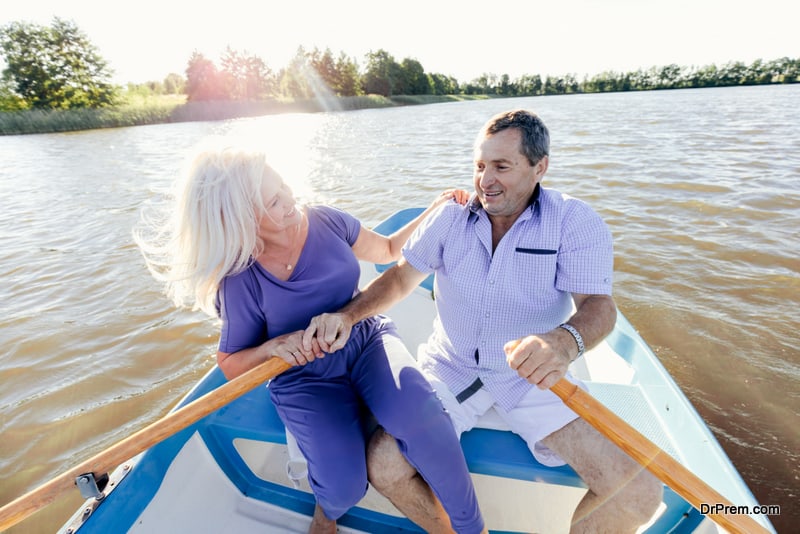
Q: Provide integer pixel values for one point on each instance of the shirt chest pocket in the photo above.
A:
(534, 270)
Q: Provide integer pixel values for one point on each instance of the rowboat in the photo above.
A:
(230, 470)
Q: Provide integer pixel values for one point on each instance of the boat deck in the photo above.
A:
(243, 446)
(226, 473)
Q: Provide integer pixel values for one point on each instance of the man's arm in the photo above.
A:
(332, 330)
(594, 317)
(543, 359)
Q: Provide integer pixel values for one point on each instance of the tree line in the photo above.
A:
(243, 76)
(57, 67)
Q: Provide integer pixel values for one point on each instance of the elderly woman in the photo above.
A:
(240, 248)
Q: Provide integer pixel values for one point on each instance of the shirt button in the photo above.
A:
(487, 315)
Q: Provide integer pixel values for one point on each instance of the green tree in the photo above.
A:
(381, 73)
(232, 75)
(325, 67)
(670, 76)
(485, 84)
(549, 87)
(294, 80)
(144, 90)
(9, 100)
(246, 76)
(708, 76)
(203, 80)
(529, 85)
(411, 79)
(442, 84)
(349, 79)
(506, 87)
(786, 70)
(339, 75)
(573, 86)
(733, 73)
(55, 67)
(174, 84)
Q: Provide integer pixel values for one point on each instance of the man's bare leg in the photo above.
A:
(622, 494)
(321, 524)
(393, 477)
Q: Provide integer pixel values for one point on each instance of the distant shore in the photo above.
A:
(174, 109)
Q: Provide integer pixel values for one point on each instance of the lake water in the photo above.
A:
(701, 189)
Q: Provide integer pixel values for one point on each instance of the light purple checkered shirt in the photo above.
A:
(557, 246)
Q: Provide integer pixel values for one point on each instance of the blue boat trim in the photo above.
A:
(235, 421)
(122, 507)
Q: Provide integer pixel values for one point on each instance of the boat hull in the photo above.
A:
(227, 472)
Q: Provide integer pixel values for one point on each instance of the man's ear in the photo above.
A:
(541, 166)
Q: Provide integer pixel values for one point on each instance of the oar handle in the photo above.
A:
(20, 508)
(648, 454)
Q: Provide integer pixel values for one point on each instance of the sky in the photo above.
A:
(145, 40)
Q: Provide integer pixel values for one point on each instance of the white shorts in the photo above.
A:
(536, 416)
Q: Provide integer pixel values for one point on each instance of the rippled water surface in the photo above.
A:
(701, 189)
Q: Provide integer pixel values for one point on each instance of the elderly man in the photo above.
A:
(523, 287)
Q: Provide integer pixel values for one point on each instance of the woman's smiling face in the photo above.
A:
(279, 203)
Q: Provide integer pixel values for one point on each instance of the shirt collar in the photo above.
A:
(475, 208)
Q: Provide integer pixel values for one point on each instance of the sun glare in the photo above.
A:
(322, 93)
(287, 140)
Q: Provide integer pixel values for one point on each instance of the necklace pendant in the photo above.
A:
(288, 266)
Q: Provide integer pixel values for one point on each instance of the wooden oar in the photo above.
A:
(19, 509)
(661, 464)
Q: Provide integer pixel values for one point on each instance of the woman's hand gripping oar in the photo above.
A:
(19, 509)
(648, 454)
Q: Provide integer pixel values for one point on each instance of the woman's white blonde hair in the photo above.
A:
(207, 229)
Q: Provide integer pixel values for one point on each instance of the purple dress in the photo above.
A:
(328, 404)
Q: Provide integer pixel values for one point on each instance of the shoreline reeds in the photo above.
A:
(173, 109)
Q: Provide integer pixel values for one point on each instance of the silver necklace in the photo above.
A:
(289, 265)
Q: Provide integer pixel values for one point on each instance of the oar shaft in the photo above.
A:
(648, 454)
(20, 508)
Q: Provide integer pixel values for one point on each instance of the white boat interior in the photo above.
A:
(228, 472)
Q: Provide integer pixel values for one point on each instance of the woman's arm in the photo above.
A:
(288, 347)
(376, 248)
